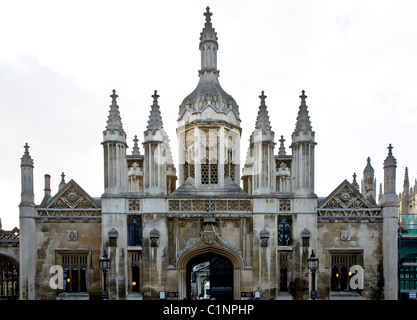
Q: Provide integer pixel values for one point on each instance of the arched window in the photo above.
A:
(135, 231)
(9, 278)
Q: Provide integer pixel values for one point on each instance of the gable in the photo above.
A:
(345, 196)
(72, 196)
(346, 203)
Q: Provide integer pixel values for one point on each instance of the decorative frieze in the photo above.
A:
(72, 215)
(235, 205)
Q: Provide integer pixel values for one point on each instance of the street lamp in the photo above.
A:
(313, 265)
(104, 267)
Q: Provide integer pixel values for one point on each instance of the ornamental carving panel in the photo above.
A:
(134, 205)
(284, 205)
(210, 205)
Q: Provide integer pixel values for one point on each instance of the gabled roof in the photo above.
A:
(345, 196)
(72, 196)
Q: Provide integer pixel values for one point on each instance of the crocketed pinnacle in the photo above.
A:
(114, 121)
(262, 120)
(281, 151)
(155, 119)
(369, 170)
(406, 181)
(208, 33)
(303, 120)
(135, 150)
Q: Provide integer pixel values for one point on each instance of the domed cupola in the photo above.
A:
(209, 125)
(209, 101)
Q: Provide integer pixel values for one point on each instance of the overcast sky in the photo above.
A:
(60, 61)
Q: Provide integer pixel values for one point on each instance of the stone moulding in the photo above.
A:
(72, 215)
(215, 205)
(349, 215)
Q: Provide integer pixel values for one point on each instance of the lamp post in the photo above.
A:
(104, 267)
(313, 265)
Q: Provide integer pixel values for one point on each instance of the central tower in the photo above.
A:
(209, 124)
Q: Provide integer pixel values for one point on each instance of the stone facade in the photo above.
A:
(254, 241)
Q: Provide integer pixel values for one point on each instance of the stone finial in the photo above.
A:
(208, 33)
(208, 15)
(62, 183)
(26, 146)
(354, 182)
(390, 161)
(26, 160)
(114, 96)
(135, 150)
(281, 151)
(303, 97)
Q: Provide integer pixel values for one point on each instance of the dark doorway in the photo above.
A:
(220, 276)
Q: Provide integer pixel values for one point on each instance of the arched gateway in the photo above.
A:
(225, 270)
(219, 276)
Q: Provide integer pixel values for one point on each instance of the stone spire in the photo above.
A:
(390, 165)
(303, 145)
(262, 121)
(208, 45)
(381, 195)
(209, 92)
(303, 124)
(155, 119)
(406, 188)
(135, 150)
(114, 121)
(281, 151)
(26, 165)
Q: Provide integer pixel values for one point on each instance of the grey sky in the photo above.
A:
(60, 60)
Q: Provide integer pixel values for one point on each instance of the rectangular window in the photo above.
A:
(75, 272)
(341, 262)
(135, 231)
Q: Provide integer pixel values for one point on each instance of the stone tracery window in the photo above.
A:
(284, 231)
(9, 279)
(135, 231)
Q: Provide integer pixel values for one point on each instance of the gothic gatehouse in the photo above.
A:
(209, 226)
